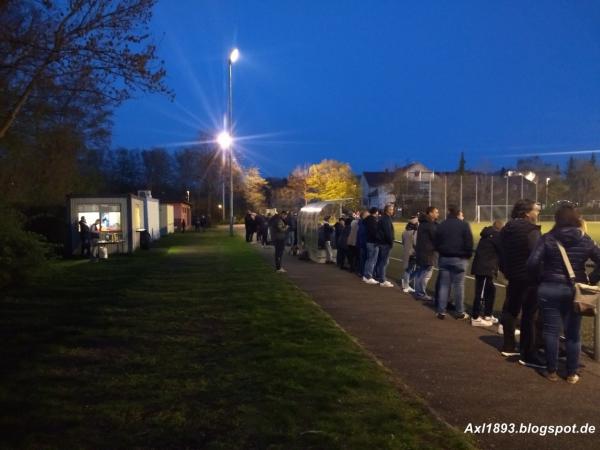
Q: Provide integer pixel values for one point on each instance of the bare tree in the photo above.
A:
(96, 47)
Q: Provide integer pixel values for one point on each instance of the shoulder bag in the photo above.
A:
(585, 301)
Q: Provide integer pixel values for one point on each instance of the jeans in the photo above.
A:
(521, 296)
(279, 248)
(485, 292)
(421, 279)
(372, 253)
(556, 304)
(383, 258)
(452, 273)
(409, 273)
(328, 251)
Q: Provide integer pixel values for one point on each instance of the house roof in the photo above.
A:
(378, 178)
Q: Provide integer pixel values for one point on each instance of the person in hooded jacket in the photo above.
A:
(425, 251)
(555, 292)
(517, 240)
(485, 268)
(409, 260)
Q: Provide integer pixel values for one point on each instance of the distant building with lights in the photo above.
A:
(378, 187)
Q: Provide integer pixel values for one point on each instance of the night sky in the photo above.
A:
(376, 83)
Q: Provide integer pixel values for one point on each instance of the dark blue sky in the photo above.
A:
(377, 83)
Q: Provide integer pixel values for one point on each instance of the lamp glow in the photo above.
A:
(234, 55)
(224, 140)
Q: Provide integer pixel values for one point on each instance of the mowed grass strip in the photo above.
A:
(194, 344)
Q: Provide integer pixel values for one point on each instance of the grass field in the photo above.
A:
(194, 344)
(395, 271)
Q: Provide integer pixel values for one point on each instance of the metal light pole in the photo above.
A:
(506, 206)
(476, 208)
(233, 57)
(522, 186)
(547, 181)
(492, 198)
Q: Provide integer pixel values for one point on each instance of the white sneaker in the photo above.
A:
(386, 284)
(480, 322)
(282, 270)
(371, 281)
(408, 290)
(492, 319)
(501, 330)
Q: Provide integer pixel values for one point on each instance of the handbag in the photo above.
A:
(585, 301)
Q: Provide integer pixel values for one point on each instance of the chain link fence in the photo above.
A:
(482, 198)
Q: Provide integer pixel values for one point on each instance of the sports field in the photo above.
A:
(395, 272)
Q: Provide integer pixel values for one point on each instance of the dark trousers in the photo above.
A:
(264, 236)
(249, 234)
(352, 256)
(362, 259)
(383, 258)
(279, 248)
(340, 256)
(521, 296)
(85, 248)
(485, 293)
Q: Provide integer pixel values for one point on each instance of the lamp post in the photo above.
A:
(547, 181)
(233, 57)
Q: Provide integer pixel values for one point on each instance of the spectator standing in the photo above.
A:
(327, 236)
(485, 269)
(425, 251)
(84, 237)
(94, 238)
(454, 243)
(250, 225)
(352, 242)
(371, 244)
(409, 260)
(278, 236)
(361, 242)
(340, 243)
(518, 238)
(555, 292)
(385, 242)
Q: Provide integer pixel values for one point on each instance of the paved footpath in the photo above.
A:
(454, 367)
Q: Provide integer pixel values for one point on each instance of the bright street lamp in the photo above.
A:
(547, 181)
(224, 140)
(234, 55)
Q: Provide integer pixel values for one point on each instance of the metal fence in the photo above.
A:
(480, 197)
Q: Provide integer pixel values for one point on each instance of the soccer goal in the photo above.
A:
(489, 213)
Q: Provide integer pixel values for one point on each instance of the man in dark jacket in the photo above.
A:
(372, 248)
(485, 269)
(454, 243)
(518, 238)
(385, 242)
(259, 223)
(278, 235)
(84, 237)
(425, 251)
(250, 225)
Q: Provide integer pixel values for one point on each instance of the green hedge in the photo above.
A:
(23, 254)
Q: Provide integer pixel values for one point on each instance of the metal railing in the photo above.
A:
(596, 337)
